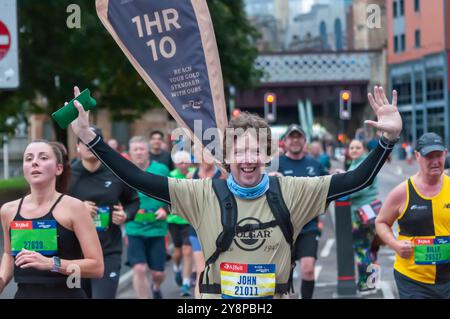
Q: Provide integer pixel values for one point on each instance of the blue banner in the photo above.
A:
(171, 44)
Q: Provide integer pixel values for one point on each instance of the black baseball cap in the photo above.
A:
(430, 142)
(294, 128)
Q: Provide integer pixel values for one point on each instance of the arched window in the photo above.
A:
(338, 34)
(323, 35)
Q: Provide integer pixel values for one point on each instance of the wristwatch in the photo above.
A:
(56, 264)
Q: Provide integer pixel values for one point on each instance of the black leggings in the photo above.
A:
(48, 291)
(106, 287)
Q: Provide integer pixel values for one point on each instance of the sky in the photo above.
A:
(306, 5)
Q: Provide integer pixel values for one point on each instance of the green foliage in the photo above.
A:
(13, 184)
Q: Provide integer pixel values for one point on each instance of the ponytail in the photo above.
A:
(62, 181)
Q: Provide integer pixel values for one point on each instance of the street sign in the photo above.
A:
(9, 61)
(5, 40)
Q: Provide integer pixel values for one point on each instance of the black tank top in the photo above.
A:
(68, 248)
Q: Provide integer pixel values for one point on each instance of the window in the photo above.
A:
(323, 35)
(417, 38)
(402, 8)
(416, 5)
(419, 123)
(395, 9)
(403, 87)
(419, 87)
(435, 88)
(338, 34)
(406, 134)
(402, 43)
(395, 43)
(436, 120)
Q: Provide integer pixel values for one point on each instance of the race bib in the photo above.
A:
(429, 251)
(145, 216)
(101, 220)
(39, 236)
(247, 281)
(369, 212)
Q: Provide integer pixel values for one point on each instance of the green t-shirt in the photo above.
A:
(172, 218)
(149, 229)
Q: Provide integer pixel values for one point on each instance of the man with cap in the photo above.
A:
(421, 207)
(111, 203)
(296, 163)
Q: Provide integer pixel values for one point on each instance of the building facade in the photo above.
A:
(324, 27)
(418, 61)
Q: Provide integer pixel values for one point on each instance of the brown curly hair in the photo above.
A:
(242, 124)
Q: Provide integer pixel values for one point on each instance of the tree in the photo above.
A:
(53, 57)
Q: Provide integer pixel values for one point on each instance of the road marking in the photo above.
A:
(386, 289)
(399, 170)
(327, 248)
(333, 216)
(317, 270)
(325, 284)
(125, 277)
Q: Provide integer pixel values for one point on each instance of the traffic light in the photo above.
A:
(270, 107)
(345, 105)
(235, 113)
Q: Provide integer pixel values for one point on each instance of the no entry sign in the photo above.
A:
(9, 62)
(5, 40)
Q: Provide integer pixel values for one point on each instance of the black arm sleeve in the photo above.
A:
(130, 201)
(155, 186)
(361, 177)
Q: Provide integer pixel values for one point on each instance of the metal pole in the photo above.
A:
(346, 285)
(309, 115)
(5, 157)
(232, 91)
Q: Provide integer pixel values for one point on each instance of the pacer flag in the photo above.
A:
(171, 43)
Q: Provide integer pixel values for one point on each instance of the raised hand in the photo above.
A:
(389, 120)
(81, 126)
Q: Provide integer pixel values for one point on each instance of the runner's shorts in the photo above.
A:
(149, 250)
(307, 244)
(180, 234)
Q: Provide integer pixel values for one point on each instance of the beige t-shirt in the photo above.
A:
(195, 201)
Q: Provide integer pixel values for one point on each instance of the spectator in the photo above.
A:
(157, 152)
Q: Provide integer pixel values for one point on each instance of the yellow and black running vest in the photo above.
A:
(426, 222)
